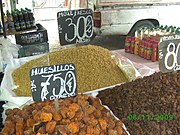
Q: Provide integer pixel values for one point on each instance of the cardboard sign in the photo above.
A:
(53, 82)
(75, 26)
(169, 53)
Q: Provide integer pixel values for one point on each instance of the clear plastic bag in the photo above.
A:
(126, 66)
(8, 51)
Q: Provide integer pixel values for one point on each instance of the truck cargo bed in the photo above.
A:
(135, 2)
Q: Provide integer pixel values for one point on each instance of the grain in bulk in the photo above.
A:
(94, 68)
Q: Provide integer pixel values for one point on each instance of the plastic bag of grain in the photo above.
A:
(126, 66)
(95, 69)
(8, 51)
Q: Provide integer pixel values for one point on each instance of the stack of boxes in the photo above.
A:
(33, 43)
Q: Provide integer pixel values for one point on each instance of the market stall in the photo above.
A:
(96, 62)
(87, 89)
(103, 93)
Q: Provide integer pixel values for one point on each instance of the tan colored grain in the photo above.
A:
(94, 68)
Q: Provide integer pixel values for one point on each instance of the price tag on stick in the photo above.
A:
(169, 53)
(53, 82)
(75, 26)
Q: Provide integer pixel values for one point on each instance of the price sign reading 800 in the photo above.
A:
(169, 55)
(174, 52)
(75, 26)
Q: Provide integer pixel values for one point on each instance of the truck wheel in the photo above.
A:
(138, 25)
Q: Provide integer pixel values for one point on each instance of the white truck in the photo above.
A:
(123, 17)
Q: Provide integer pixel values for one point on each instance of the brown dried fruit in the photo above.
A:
(37, 126)
(87, 121)
(46, 117)
(50, 127)
(57, 116)
(152, 95)
(30, 122)
(73, 127)
(74, 107)
(71, 114)
(103, 124)
(19, 129)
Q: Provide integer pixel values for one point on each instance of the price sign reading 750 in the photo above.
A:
(53, 82)
(169, 53)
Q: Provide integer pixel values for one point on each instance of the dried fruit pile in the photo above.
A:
(152, 95)
(80, 115)
(94, 68)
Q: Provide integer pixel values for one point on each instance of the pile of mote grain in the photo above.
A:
(153, 96)
(94, 68)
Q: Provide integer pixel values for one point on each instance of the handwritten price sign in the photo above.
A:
(169, 53)
(53, 82)
(75, 26)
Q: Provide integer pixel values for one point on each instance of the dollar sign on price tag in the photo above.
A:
(169, 53)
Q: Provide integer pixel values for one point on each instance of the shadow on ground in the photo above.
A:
(110, 42)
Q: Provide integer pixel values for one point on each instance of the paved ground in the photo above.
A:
(109, 42)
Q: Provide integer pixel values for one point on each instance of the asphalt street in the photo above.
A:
(110, 42)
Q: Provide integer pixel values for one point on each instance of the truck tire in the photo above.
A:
(140, 24)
